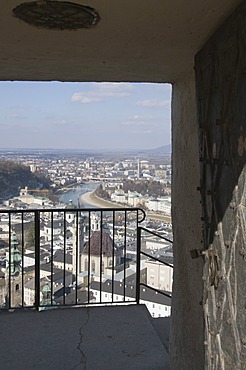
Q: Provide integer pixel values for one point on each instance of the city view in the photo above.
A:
(86, 226)
(123, 185)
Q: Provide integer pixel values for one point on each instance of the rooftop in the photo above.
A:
(146, 294)
(100, 243)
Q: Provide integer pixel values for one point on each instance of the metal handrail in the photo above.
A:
(134, 214)
(155, 234)
(130, 213)
(157, 290)
(139, 283)
(156, 259)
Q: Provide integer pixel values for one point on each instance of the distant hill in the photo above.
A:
(165, 149)
(14, 176)
(43, 153)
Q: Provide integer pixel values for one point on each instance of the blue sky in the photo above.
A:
(84, 115)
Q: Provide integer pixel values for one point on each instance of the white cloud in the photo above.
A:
(61, 122)
(135, 120)
(85, 98)
(102, 91)
(153, 103)
(133, 123)
(114, 89)
(15, 114)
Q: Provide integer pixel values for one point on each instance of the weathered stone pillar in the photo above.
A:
(187, 329)
(221, 93)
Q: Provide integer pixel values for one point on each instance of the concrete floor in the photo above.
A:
(94, 338)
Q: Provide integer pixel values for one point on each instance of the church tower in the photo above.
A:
(13, 274)
(95, 222)
(46, 294)
(78, 242)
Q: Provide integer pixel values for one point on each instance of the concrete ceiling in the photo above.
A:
(135, 40)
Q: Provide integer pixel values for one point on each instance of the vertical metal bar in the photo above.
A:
(89, 257)
(101, 231)
(22, 259)
(138, 264)
(113, 258)
(77, 254)
(10, 258)
(64, 256)
(37, 259)
(125, 259)
(52, 255)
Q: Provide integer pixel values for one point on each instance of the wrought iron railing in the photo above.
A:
(69, 257)
(151, 257)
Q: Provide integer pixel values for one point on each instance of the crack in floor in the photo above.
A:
(83, 360)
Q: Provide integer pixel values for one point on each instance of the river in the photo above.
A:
(75, 193)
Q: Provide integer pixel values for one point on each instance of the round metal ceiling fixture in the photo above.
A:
(57, 15)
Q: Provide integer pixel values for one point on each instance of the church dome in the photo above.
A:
(100, 242)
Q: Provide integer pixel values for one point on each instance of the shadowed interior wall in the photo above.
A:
(221, 93)
(187, 332)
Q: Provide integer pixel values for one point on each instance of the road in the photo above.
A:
(91, 199)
